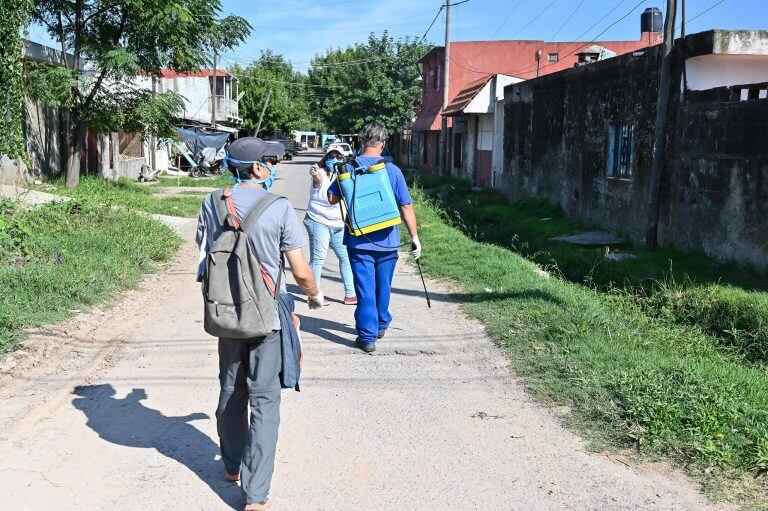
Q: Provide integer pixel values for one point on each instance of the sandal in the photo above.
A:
(259, 507)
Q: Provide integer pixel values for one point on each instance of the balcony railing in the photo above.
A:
(226, 109)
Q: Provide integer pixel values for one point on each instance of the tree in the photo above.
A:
(370, 81)
(113, 42)
(288, 105)
(13, 16)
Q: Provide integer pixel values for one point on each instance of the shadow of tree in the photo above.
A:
(128, 422)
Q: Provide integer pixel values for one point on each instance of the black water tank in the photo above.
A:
(651, 20)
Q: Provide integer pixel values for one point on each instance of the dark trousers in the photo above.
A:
(373, 272)
(249, 373)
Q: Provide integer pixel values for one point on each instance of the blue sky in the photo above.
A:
(299, 29)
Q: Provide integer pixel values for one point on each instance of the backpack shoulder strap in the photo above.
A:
(257, 210)
(220, 205)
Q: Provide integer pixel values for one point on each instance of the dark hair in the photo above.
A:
(328, 155)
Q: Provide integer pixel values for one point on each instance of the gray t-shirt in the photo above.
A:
(278, 230)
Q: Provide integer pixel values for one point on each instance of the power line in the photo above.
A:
(431, 25)
(507, 18)
(702, 13)
(570, 17)
(365, 26)
(553, 2)
(610, 26)
(580, 45)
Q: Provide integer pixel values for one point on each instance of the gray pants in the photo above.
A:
(249, 371)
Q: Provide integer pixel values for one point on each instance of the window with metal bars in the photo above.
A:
(622, 144)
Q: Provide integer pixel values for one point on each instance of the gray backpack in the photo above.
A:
(240, 298)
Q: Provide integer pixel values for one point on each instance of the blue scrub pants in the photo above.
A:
(373, 273)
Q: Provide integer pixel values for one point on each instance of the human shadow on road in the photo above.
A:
(487, 296)
(128, 422)
(325, 328)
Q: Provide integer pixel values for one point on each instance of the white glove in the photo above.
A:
(415, 247)
(314, 169)
(315, 302)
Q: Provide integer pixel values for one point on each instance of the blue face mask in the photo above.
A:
(267, 182)
(330, 163)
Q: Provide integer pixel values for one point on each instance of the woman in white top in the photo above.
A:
(326, 226)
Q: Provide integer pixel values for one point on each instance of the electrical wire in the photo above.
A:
(364, 26)
(553, 2)
(530, 68)
(702, 13)
(569, 18)
(506, 19)
(431, 25)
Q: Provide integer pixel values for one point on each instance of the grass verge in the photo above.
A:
(689, 289)
(217, 181)
(65, 256)
(128, 195)
(630, 380)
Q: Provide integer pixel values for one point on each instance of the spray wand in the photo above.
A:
(426, 293)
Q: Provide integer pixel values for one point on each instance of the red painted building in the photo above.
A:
(474, 62)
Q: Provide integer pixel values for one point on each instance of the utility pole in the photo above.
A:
(213, 88)
(662, 120)
(152, 139)
(442, 160)
(263, 111)
(685, 53)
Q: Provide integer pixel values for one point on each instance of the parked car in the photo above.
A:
(291, 148)
(327, 143)
(344, 148)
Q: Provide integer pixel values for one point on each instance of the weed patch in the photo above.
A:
(65, 256)
(687, 289)
(217, 181)
(128, 195)
(631, 380)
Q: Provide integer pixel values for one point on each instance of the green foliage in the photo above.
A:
(130, 196)
(737, 317)
(629, 379)
(288, 104)
(217, 181)
(121, 39)
(689, 289)
(77, 253)
(369, 81)
(51, 85)
(13, 234)
(13, 16)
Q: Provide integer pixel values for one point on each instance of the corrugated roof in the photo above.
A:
(466, 95)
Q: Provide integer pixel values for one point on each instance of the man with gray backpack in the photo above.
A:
(245, 235)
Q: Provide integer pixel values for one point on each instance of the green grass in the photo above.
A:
(130, 196)
(218, 181)
(690, 289)
(66, 256)
(630, 380)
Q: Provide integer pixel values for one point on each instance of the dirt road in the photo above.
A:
(113, 410)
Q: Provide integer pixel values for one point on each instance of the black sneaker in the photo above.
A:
(368, 347)
(382, 333)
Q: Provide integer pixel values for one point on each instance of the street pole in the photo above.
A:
(152, 139)
(662, 120)
(685, 51)
(263, 111)
(213, 88)
(442, 160)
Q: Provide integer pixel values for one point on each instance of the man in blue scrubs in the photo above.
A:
(373, 257)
